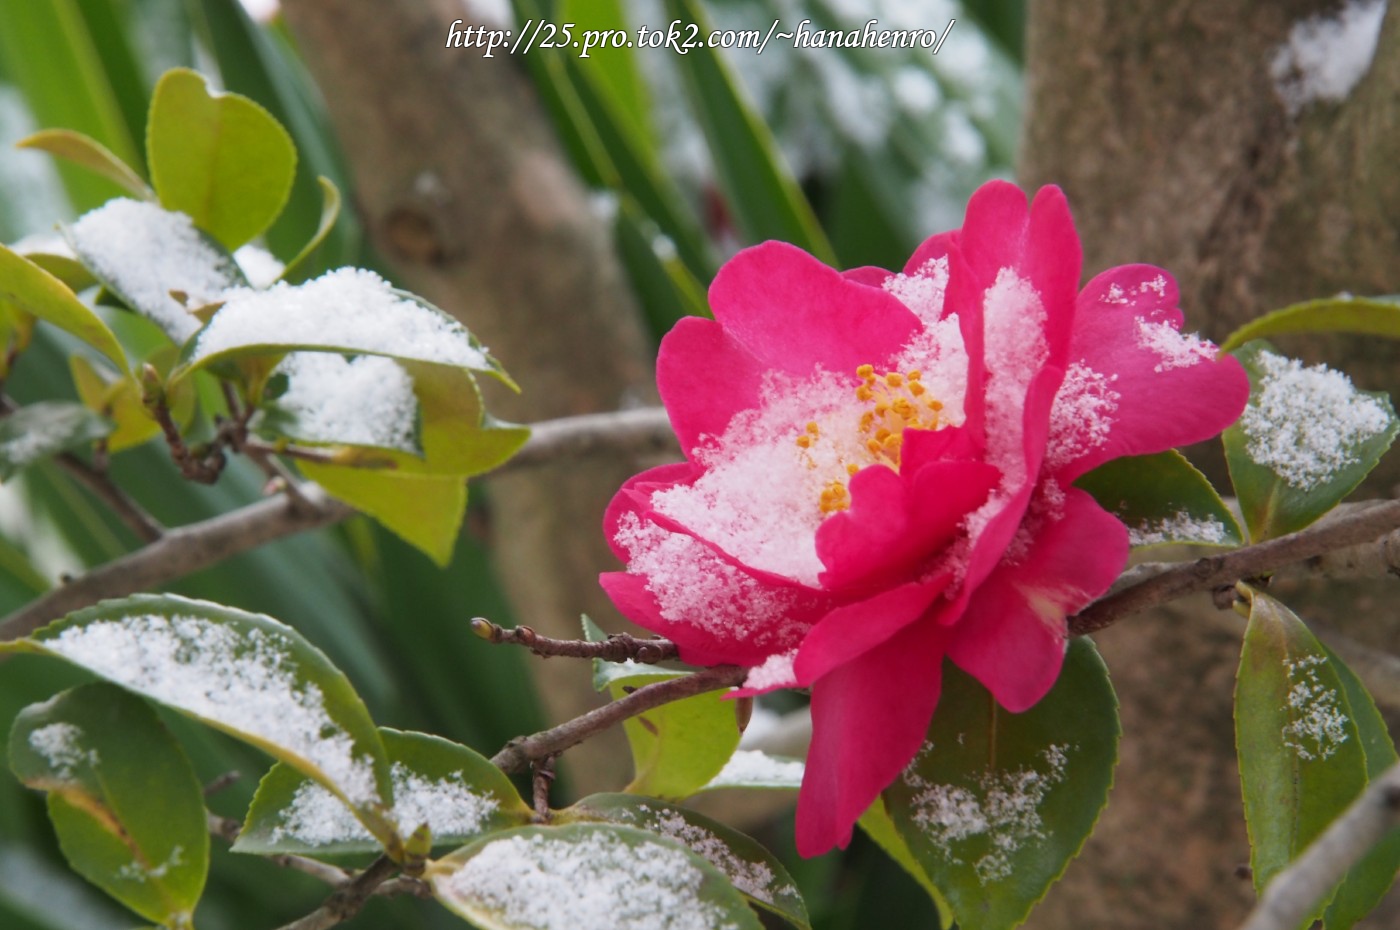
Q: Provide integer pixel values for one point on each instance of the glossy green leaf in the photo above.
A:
(585, 875)
(458, 793)
(90, 154)
(1371, 316)
(753, 768)
(425, 511)
(615, 69)
(330, 212)
(879, 827)
(221, 158)
(677, 747)
(123, 798)
(40, 294)
(246, 674)
(758, 186)
(38, 431)
(751, 868)
(349, 311)
(1162, 498)
(1366, 882)
(1305, 441)
(996, 804)
(1301, 758)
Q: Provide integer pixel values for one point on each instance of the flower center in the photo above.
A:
(897, 401)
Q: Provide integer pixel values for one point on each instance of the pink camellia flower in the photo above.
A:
(879, 474)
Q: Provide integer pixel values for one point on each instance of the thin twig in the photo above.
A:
(347, 901)
(1216, 571)
(543, 778)
(221, 783)
(1293, 893)
(619, 647)
(520, 753)
(641, 431)
(178, 553)
(146, 527)
(227, 829)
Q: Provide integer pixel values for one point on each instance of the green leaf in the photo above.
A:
(221, 158)
(38, 431)
(330, 212)
(458, 793)
(40, 294)
(425, 511)
(1373, 316)
(1305, 441)
(677, 747)
(585, 875)
(350, 311)
(1162, 498)
(614, 69)
(879, 827)
(155, 261)
(118, 399)
(90, 154)
(758, 186)
(1301, 759)
(996, 804)
(751, 868)
(1368, 881)
(123, 798)
(243, 673)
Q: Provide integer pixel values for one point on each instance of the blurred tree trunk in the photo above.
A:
(465, 190)
(1162, 123)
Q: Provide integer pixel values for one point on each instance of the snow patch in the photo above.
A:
(61, 745)
(1326, 56)
(752, 878)
(1318, 725)
(775, 672)
(1174, 349)
(1180, 527)
(752, 767)
(1081, 419)
(367, 401)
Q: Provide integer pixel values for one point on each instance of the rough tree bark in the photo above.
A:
(464, 189)
(1162, 123)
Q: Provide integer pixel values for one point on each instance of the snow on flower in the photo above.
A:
(879, 475)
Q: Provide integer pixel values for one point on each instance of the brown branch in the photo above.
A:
(636, 432)
(520, 753)
(1353, 528)
(347, 901)
(146, 527)
(178, 553)
(543, 778)
(1294, 892)
(619, 647)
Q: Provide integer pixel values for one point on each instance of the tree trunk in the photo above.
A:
(464, 189)
(1163, 124)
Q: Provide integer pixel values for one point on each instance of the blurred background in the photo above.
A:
(569, 210)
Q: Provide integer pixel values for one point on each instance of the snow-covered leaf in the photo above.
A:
(456, 792)
(221, 158)
(246, 674)
(1162, 498)
(1306, 440)
(123, 798)
(38, 431)
(750, 867)
(587, 877)
(147, 256)
(1301, 759)
(996, 804)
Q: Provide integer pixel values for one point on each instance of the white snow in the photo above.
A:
(448, 806)
(144, 252)
(61, 745)
(1174, 349)
(1178, 528)
(1004, 808)
(775, 672)
(366, 401)
(752, 878)
(1325, 56)
(349, 309)
(1015, 349)
(752, 767)
(1081, 419)
(244, 680)
(1318, 725)
(259, 266)
(591, 881)
(1304, 422)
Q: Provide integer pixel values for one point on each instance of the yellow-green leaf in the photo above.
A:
(86, 151)
(40, 294)
(424, 510)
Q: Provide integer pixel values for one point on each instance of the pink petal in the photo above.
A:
(895, 522)
(635, 497)
(869, 718)
(1012, 635)
(934, 247)
(1189, 399)
(705, 377)
(794, 313)
(697, 645)
(869, 275)
(851, 631)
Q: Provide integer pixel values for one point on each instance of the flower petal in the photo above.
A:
(704, 377)
(794, 313)
(635, 496)
(1012, 635)
(869, 718)
(1166, 390)
(852, 630)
